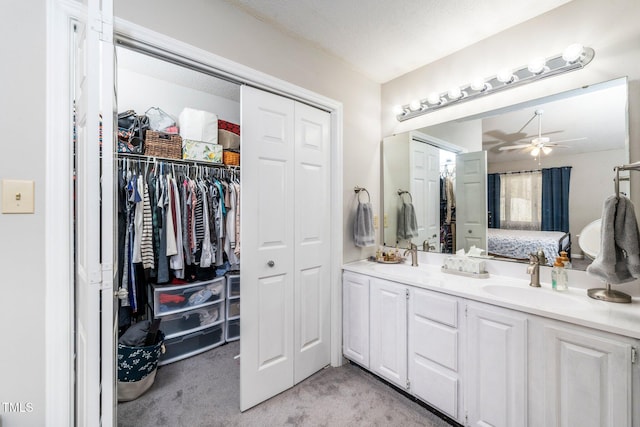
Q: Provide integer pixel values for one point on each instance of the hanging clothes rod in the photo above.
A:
(630, 167)
(147, 159)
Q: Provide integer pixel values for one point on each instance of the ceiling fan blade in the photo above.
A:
(515, 147)
(557, 146)
(567, 140)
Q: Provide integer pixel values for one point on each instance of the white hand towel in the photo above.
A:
(363, 230)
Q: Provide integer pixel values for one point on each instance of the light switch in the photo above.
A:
(375, 221)
(17, 196)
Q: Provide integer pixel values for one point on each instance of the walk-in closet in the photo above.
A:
(178, 216)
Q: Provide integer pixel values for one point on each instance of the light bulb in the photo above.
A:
(454, 93)
(478, 84)
(537, 65)
(573, 53)
(397, 110)
(535, 152)
(546, 150)
(415, 105)
(434, 99)
(505, 76)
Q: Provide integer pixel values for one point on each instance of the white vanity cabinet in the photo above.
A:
(388, 331)
(435, 346)
(582, 377)
(355, 318)
(496, 366)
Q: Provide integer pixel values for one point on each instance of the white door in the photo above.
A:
(312, 286)
(388, 317)
(425, 190)
(355, 318)
(93, 86)
(496, 389)
(266, 276)
(471, 200)
(587, 380)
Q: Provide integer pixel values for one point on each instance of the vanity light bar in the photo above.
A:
(573, 58)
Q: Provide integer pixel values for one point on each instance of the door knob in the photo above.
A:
(470, 231)
(271, 263)
(121, 293)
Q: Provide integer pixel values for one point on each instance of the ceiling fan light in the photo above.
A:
(546, 150)
(573, 53)
(535, 152)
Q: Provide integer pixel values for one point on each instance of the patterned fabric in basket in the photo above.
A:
(135, 363)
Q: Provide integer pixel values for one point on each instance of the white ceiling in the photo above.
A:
(385, 39)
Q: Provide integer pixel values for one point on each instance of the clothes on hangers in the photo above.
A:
(182, 226)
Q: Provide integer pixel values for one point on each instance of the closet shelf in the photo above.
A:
(145, 158)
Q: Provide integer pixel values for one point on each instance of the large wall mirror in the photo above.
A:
(533, 175)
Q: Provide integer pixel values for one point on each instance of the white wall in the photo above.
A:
(22, 108)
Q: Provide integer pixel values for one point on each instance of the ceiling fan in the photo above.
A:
(539, 144)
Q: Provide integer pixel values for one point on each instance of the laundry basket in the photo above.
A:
(137, 368)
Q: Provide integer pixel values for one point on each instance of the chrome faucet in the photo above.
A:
(534, 268)
(413, 249)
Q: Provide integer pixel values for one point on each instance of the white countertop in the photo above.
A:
(573, 306)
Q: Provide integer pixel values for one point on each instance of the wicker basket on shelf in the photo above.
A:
(160, 144)
(231, 158)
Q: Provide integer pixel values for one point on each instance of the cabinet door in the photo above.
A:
(497, 367)
(587, 380)
(355, 318)
(389, 331)
(434, 350)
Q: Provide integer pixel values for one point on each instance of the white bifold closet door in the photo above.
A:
(285, 244)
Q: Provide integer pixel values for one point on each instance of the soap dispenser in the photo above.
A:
(559, 277)
(565, 259)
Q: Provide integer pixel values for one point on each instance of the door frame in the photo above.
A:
(58, 239)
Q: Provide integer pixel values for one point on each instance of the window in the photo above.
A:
(521, 200)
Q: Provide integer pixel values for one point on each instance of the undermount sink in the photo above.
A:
(541, 297)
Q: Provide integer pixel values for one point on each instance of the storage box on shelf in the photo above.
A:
(233, 307)
(160, 144)
(193, 317)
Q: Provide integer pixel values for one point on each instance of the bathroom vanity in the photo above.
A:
(494, 351)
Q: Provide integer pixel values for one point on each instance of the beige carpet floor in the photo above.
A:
(204, 391)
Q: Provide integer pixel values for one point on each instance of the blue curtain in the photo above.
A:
(555, 199)
(493, 202)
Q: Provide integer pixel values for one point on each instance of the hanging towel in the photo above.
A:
(363, 230)
(407, 223)
(619, 258)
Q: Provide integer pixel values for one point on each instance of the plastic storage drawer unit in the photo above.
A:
(233, 330)
(184, 346)
(233, 285)
(176, 299)
(233, 308)
(187, 321)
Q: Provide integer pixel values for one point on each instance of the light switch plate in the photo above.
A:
(17, 196)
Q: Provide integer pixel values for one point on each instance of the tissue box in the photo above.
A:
(464, 264)
(204, 151)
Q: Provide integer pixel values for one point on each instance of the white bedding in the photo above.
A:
(520, 243)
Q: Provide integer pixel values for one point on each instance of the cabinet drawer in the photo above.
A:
(233, 330)
(184, 346)
(436, 387)
(437, 307)
(180, 323)
(175, 299)
(233, 285)
(436, 342)
(233, 308)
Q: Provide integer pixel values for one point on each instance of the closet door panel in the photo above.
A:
(266, 325)
(312, 243)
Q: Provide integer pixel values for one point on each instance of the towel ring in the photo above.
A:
(358, 190)
(401, 192)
